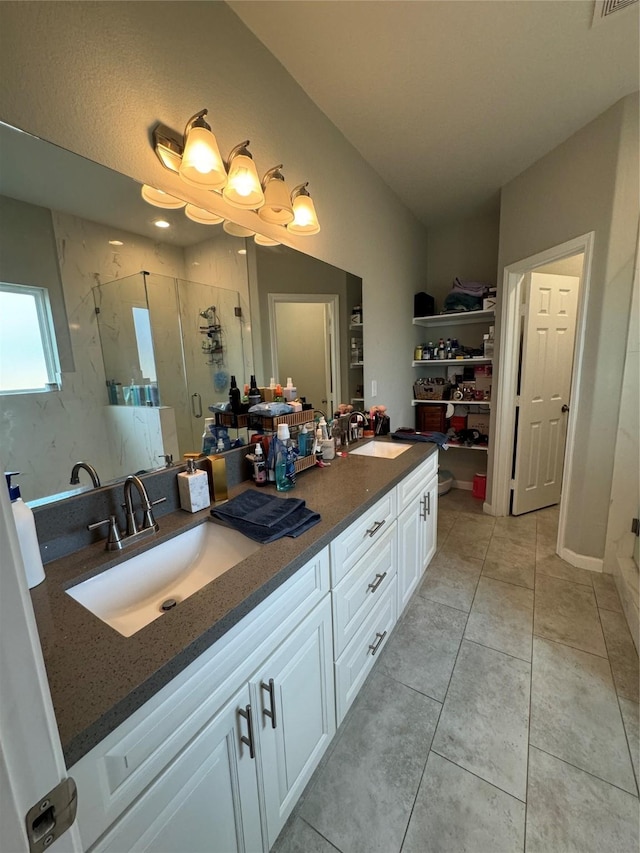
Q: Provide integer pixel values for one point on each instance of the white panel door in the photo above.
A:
(545, 383)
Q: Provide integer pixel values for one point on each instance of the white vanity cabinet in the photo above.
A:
(197, 767)
(417, 526)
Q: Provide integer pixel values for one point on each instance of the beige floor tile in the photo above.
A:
(622, 654)
(570, 811)
(606, 592)
(631, 720)
(559, 568)
(567, 612)
(509, 562)
(575, 714)
(451, 579)
(502, 618)
(520, 529)
(462, 501)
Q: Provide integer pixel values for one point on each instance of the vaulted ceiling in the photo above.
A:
(450, 99)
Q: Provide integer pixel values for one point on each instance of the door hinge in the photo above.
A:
(635, 526)
(52, 816)
(518, 400)
(97, 310)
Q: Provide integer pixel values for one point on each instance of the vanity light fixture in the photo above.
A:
(203, 217)
(201, 165)
(159, 198)
(277, 208)
(261, 240)
(162, 223)
(236, 230)
(306, 219)
(116, 243)
(243, 187)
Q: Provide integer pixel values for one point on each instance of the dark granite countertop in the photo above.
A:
(98, 677)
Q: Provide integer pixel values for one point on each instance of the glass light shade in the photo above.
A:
(237, 230)
(277, 208)
(202, 165)
(204, 217)
(243, 188)
(159, 198)
(306, 220)
(261, 240)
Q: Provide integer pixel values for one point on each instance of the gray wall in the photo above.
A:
(133, 64)
(589, 183)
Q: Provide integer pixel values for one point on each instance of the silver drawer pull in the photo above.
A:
(377, 525)
(376, 583)
(375, 646)
(270, 689)
(248, 738)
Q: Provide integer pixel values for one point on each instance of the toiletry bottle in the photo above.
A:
(303, 441)
(193, 488)
(208, 436)
(322, 426)
(234, 396)
(254, 394)
(259, 467)
(27, 536)
(285, 471)
(290, 392)
(336, 434)
(317, 447)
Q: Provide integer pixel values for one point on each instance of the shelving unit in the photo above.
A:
(438, 323)
(356, 360)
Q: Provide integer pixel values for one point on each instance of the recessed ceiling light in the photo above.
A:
(242, 251)
(116, 243)
(162, 223)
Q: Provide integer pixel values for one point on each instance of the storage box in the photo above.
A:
(483, 383)
(431, 418)
(429, 391)
(479, 422)
(489, 303)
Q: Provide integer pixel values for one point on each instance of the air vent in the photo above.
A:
(604, 8)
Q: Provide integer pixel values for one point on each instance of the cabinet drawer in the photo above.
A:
(354, 664)
(349, 546)
(358, 592)
(416, 482)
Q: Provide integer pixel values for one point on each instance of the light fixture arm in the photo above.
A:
(272, 174)
(241, 148)
(301, 189)
(196, 120)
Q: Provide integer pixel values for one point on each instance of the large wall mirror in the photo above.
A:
(148, 323)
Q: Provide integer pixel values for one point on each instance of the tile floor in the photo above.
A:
(501, 716)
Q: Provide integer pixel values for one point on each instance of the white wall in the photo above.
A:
(589, 183)
(96, 77)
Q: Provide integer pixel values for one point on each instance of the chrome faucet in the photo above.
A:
(115, 539)
(91, 471)
(148, 521)
(350, 428)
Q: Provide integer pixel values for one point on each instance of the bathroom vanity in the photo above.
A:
(201, 730)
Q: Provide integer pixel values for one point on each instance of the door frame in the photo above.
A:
(504, 437)
(331, 301)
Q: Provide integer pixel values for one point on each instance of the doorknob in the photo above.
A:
(565, 408)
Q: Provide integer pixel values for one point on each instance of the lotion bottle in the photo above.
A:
(193, 488)
(27, 536)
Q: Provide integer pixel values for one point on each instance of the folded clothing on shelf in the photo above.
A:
(265, 518)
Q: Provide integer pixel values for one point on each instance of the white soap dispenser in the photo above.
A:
(27, 536)
(193, 488)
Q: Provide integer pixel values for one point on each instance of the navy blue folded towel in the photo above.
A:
(438, 438)
(265, 518)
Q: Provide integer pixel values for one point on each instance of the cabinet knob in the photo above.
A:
(373, 586)
(248, 738)
(373, 648)
(271, 713)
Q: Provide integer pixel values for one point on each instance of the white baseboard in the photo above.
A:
(581, 561)
(467, 485)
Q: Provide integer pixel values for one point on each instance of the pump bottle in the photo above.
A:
(27, 536)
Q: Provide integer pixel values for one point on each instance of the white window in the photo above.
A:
(28, 351)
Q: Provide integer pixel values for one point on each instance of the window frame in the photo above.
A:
(47, 337)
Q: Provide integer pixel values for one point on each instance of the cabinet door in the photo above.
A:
(293, 694)
(206, 800)
(430, 526)
(411, 547)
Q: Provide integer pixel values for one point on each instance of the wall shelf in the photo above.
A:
(453, 402)
(457, 319)
(425, 362)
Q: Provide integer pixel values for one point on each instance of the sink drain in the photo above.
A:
(168, 604)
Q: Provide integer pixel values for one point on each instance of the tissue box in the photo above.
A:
(489, 303)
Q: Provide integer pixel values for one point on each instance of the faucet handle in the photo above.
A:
(114, 538)
(147, 516)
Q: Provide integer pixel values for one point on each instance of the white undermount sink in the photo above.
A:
(380, 449)
(130, 595)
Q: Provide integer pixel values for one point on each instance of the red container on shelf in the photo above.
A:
(480, 486)
(458, 422)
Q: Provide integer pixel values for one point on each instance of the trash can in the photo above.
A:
(480, 486)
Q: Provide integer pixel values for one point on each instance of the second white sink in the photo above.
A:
(380, 449)
(130, 595)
